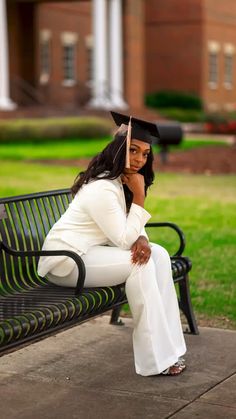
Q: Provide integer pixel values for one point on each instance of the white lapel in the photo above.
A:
(121, 194)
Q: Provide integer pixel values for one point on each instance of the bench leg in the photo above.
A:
(186, 305)
(115, 317)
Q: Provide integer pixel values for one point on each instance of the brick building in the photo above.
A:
(109, 53)
(194, 49)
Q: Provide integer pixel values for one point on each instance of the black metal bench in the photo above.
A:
(31, 307)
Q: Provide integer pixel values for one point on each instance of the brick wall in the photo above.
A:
(66, 17)
(219, 27)
(134, 52)
(176, 47)
(173, 45)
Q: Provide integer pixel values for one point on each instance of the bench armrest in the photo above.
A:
(78, 260)
(178, 231)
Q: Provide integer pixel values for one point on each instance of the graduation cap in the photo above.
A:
(136, 129)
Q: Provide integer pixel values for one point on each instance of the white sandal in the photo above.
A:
(179, 365)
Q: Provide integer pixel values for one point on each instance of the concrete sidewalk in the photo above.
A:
(87, 372)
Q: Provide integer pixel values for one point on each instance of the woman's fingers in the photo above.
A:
(134, 181)
(124, 179)
(141, 256)
(140, 251)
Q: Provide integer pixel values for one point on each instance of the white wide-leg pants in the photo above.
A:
(158, 339)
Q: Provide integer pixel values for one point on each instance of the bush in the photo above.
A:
(172, 99)
(54, 128)
(182, 115)
(215, 118)
(221, 123)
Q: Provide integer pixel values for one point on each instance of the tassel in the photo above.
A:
(128, 142)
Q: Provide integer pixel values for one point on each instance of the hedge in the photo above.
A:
(182, 115)
(221, 123)
(173, 99)
(30, 130)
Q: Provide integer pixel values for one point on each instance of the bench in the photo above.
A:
(30, 306)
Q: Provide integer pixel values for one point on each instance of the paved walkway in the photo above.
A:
(87, 372)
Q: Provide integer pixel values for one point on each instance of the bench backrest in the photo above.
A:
(24, 223)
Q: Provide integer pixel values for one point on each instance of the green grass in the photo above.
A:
(75, 149)
(203, 206)
(195, 142)
(61, 149)
(18, 178)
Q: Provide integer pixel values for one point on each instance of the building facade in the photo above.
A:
(109, 53)
(194, 49)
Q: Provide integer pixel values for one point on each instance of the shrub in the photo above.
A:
(182, 115)
(215, 118)
(54, 128)
(172, 99)
(220, 123)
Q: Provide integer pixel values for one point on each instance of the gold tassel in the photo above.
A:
(128, 142)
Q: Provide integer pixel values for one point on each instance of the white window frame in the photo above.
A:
(45, 59)
(213, 107)
(213, 64)
(229, 52)
(69, 40)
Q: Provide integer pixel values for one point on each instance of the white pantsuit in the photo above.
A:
(97, 216)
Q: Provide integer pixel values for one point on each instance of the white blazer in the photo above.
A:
(96, 216)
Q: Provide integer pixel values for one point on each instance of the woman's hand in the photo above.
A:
(141, 251)
(135, 182)
(136, 185)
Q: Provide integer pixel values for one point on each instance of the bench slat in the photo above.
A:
(25, 315)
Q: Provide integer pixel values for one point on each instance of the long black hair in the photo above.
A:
(110, 164)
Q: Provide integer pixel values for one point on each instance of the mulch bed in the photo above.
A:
(207, 160)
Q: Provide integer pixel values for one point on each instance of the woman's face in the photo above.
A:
(139, 151)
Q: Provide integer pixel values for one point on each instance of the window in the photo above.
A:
(228, 65)
(69, 42)
(213, 68)
(89, 49)
(69, 62)
(228, 70)
(213, 57)
(45, 56)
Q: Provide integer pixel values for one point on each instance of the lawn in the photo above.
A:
(75, 149)
(18, 178)
(203, 206)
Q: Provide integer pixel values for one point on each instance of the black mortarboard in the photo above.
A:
(136, 129)
(140, 130)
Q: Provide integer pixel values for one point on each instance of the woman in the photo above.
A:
(104, 224)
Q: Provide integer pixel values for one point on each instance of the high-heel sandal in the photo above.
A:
(175, 369)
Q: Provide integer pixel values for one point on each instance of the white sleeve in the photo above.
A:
(144, 233)
(105, 209)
